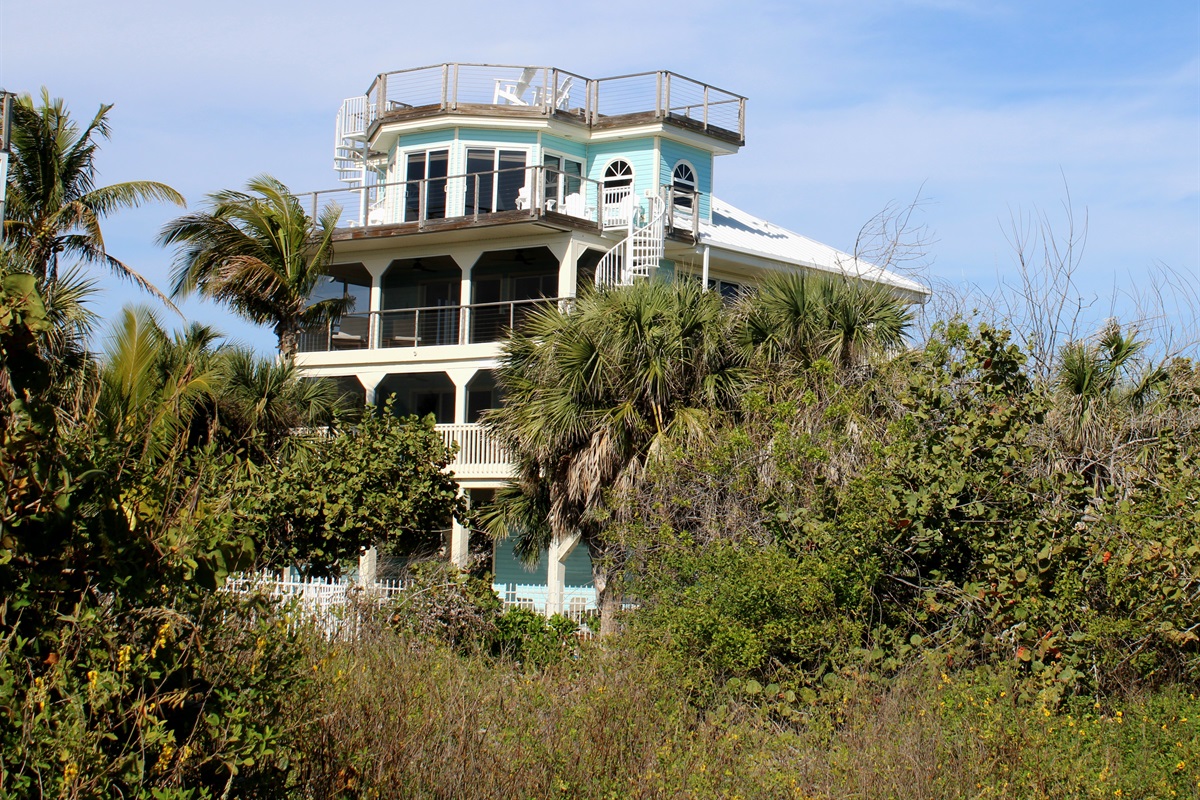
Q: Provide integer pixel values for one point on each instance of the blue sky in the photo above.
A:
(990, 110)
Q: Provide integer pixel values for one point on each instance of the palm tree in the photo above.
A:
(799, 318)
(259, 253)
(54, 206)
(593, 394)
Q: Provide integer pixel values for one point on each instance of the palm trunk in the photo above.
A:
(608, 597)
(289, 342)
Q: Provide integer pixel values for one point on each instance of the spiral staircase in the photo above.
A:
(639, 253)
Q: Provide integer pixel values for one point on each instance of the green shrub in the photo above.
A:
(737, 610)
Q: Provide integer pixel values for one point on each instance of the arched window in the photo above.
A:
(618, 193)
(683, 184)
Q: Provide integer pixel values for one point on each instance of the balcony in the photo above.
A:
(552, 92)
(433, 326)
(479, 456)
(496, 197)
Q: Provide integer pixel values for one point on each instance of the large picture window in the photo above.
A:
(495, 179)
(564, 178)
(425, 192)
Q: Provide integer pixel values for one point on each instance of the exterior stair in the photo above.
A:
(350, 139)
(639, 253)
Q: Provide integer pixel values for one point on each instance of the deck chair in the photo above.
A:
(512, 92)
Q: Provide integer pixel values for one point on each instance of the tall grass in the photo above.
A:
(398, 718)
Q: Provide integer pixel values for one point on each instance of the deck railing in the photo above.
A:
(552, 91)
(431, 326)
(534, 190)
(479, 455)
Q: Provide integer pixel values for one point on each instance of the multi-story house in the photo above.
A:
(476, 193)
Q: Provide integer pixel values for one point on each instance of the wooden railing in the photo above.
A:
(552, 91)
(534, 190)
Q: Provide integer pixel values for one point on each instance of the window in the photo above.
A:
(563, 179)
(729, 291)
(618, 188)
(495, 179)
(426, 188)
(683, 185)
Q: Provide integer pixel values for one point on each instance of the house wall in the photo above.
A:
(702, 162)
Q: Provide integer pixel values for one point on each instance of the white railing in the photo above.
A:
(479, 455)
(337, 607)
(334, 606)
(639, 253)
(579, 602)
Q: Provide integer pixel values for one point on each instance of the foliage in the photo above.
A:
(54, 206)
(593, 393)
(381, 483)
(733, 610)
(935, 488)
(401, 718)
(442, 604)
(259, 253)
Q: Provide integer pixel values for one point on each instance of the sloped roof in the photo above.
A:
(738, 231)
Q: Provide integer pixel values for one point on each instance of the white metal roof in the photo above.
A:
(735, 230)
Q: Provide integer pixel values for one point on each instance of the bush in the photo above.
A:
(734, 610)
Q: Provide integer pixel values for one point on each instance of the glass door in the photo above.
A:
(425, 191)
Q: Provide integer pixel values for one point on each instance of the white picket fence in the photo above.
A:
(338, 606)
(335, 606)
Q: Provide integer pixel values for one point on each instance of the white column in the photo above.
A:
(464, 317)
(460, 378)
(556, 571)
(368, 559)
(370, 382)
(460, 544)
(567, 279)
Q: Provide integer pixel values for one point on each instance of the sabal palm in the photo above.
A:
(261, 402)
(54, 207)
(592, 394)
(799, 318)
(261, 254)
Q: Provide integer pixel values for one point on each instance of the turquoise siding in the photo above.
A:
(701, 160)
(638, 152)
(508, 569)
(489, 135)
(566, 147)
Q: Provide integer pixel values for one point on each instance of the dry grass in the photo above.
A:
(399, 719)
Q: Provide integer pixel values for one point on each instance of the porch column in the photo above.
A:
(460, 378)
(556, 571)
(370, 382)
(464, 299)
(566, 253)
(460, 543)
(377, 266)
(368, 559)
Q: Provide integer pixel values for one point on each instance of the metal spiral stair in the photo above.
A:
(639, 253)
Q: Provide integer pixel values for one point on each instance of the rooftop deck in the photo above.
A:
(552, 92)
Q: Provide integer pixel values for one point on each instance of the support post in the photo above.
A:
(556, 571)
(460, 544)
(368, 561)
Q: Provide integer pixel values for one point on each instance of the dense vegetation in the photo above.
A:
(854, 567)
